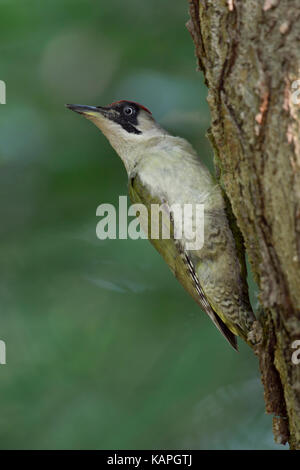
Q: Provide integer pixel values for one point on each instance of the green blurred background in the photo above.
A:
(104, 347)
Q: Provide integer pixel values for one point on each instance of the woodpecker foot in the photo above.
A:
(255, 336)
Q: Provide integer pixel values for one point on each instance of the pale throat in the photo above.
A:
(130, 146)
(127, 147)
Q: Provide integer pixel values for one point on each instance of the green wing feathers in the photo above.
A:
(179, 261)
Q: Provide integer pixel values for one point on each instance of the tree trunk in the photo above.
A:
(249, 52)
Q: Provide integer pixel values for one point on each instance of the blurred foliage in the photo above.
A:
(104, 347)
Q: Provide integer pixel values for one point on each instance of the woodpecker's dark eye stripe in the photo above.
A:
(127, 121)
(127, 126)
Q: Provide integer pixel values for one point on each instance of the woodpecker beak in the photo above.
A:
(89, 111)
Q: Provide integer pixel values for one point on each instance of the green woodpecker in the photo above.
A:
(163, 169)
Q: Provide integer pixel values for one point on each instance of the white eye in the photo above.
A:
(128, 110)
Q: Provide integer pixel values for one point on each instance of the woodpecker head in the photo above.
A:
(126, 124)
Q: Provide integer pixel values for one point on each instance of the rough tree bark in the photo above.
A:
(249, 52)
